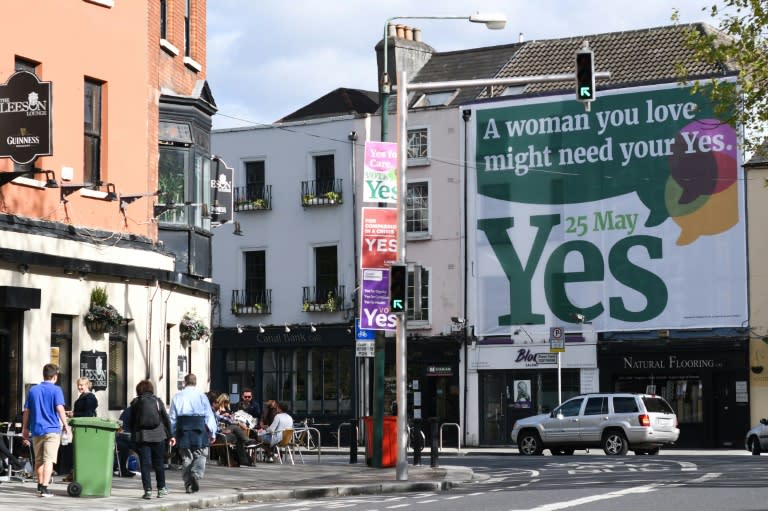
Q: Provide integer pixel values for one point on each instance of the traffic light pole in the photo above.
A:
(403, 88)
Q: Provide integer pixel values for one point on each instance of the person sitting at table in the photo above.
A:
(5, 453)
(272, 435)
(231, 429)
(124, 444)
(267, 413)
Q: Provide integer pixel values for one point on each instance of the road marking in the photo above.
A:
(706, 477)
(397, 506)
(595, 498)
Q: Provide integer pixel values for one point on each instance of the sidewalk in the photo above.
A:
(224, 485)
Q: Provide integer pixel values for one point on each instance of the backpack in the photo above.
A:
(147, 410)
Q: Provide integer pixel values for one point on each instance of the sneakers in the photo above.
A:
(43, 492)
(162, 492)
(147, 495)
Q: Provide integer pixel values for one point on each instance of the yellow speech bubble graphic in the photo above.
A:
(718, 214)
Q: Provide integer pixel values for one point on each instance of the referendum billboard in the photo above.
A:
(631, 215)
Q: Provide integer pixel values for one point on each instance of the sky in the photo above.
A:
(268, 58)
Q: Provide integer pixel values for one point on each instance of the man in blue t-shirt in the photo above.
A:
(43, 418)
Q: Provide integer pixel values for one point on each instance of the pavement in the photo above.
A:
(318, 477)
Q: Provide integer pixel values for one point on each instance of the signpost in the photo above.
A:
(557, 345)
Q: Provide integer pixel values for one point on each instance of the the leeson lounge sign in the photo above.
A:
(25, 118)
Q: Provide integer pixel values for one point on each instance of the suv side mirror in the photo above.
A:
(764, 422)
(560, 416)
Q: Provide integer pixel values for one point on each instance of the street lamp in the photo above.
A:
(493, 21)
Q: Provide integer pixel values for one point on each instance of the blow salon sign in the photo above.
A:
(631, 215)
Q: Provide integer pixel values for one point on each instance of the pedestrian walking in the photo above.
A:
(193, 425)
(43, 419)
(150, 429)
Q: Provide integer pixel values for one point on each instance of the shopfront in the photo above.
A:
(705, 381)
(312, 373)
(519, 380)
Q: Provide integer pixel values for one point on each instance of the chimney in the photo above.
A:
(406, 51)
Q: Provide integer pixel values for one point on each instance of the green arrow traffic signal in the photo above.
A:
(398, 286)
(585, 75)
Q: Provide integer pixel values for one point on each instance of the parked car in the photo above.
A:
(756, 440)
(615, 422)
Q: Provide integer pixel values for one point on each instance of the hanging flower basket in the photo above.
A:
(101, 316)
(192, 328)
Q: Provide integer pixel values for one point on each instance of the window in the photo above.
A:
(29, 66)
(418, 146)
(254, 180)
(324, 173)
(440, 98)
(418, 295)
(163, 19)
(117, 390)
(596, 406)
(92, 161)
(184, 171)
(61, 353)
(187, 28)
(417, 210)
(570, 408)
(255, 277)
(326, 273)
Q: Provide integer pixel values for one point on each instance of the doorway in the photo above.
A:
(731, 410)
(10, 366)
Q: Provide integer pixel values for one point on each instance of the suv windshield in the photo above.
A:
(656, 404)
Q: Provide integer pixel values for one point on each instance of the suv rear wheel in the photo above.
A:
(615, 443)
(529, 443)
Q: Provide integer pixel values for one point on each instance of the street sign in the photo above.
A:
(556, 339)
(546, 358)
(365, 349)
(361, 334)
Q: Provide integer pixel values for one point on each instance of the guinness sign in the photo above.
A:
(25, 118)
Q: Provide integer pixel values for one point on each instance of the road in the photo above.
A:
(581, 482)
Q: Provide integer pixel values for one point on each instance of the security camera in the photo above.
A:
(458, 320)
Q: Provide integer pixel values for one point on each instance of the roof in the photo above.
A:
(471, 64)
(632, 57)
(337, 102)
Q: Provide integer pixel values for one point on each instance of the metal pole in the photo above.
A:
(559, 382)
(401, 349)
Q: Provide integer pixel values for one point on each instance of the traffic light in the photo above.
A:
(585, 75)
(398, 287)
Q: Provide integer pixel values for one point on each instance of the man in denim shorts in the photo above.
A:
(43, 418)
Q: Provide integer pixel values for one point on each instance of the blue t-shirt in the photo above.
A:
(41, 403)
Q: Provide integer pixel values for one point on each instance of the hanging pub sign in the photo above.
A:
(221, 193)
(25, 118)
(93, 365)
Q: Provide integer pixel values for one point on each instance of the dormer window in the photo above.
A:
(440, 98)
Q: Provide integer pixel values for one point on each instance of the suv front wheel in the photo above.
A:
(529, 443)
(615, 443)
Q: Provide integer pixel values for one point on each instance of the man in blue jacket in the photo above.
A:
(193, 425)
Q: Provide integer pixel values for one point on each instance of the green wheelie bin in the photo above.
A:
(94, 451)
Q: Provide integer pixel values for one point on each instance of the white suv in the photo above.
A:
(617, 422)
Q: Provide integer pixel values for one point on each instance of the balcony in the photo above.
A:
(253, 198)
(251, 302)
(323, 299)
(321, 192)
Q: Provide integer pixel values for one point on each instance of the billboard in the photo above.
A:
(631, 215)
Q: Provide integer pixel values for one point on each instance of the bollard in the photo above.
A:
(433, 423)
(417, 441)
(352, 441)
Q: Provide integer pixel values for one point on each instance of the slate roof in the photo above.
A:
(341, 101)
(471, 64)
(632, 57)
